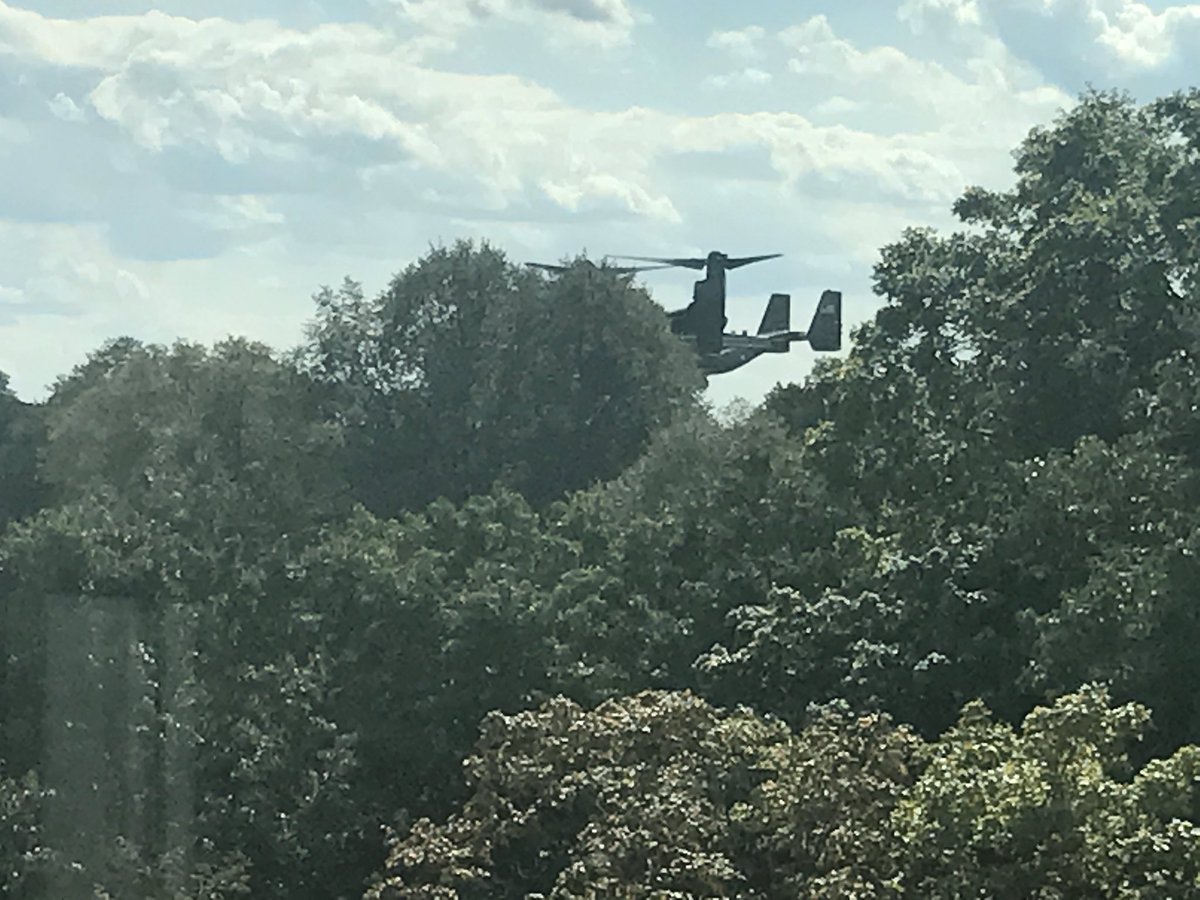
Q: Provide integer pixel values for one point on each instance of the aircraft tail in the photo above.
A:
(825, 333)
(778, 316)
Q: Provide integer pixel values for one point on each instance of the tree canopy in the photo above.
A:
(468, 371)
(470, 595)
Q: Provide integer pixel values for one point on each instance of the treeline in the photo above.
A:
(470, 595)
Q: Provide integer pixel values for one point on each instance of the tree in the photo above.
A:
(1119, 544)
(21, 435)
(588, 373)
(423, 625)
(1060, 320)
(1051, 809)
(709, 518)
(1045, 321)
(469, 371)
(25, 860)
(660, 794)
(184, 479)
(160, 693)
(191, 434)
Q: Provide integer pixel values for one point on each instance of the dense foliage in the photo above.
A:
(468, 371)
(470, 596)
(662, 794)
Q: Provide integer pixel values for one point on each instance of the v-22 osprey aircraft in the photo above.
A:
(703, 321)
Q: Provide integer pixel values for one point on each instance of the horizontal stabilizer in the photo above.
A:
(778, 316)
(825, 333)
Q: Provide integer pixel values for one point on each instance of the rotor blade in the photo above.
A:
(617, 270)
(685, 263)
(746, 260)
(623, 270)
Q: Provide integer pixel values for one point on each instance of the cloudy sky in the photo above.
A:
(199, 168)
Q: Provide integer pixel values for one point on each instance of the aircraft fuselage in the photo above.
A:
(739, 349)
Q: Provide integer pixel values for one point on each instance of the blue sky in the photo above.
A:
(198, 169)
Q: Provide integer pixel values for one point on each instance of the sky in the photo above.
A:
(200, 168)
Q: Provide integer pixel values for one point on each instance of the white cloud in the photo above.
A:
(601, 23)
(922, 96)
(1070, 40)
(65, 293)
(129, 287)
(745, 42)
(819, 51)
(344, 97)
(747, 77)
(890, 168)
(75, 272)
(65, 108)
(1132, 32)
(836, 106)
(246, 91)
(11, 296)
(576, 193)
(920, 14)
(251, 209)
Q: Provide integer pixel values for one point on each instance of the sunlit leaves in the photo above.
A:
(999, 811)
(660, 794)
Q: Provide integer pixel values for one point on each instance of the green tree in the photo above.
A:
(25, 859)
(916, 634)
(189, 751)
(424, 624)
(191, 434)
(660, 794)
(711, 517)
(1120, 540)
(1062, 315)
(469, 371)
(1043, 322)
(21, 434)
(184, 479)
(1050, 810)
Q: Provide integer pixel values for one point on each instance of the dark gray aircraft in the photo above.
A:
(703, 321)
(775, 335)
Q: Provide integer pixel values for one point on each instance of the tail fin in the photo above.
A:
(825, 333)
(778, 316)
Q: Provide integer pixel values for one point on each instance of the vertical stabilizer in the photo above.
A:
(825, 333)
(778, 317)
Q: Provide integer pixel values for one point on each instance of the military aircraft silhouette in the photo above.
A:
(703, 321)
